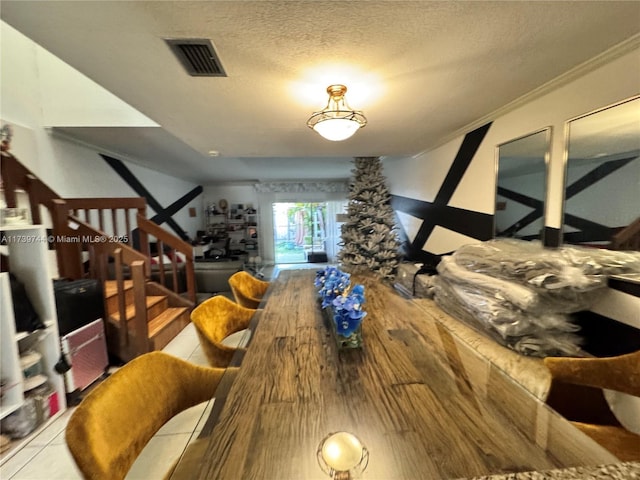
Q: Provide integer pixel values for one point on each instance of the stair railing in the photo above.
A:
(110, 215)
(93, 210)
(168, 246)
(96, 252)
(16, 177)
(84, 250)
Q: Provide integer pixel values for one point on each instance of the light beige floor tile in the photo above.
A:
(53, 430)
(181, 349)
(204, 417)
(183, 344)
(198, 357)
(53, 462)
(187, 332)
(59, 439)
(184, 422)
(19, 460)
(158, 457)
(237, 340)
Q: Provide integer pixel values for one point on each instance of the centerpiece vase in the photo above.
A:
(343, 342)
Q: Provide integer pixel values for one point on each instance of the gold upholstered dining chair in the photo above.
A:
(576, 393)
(115, 421)
(247, 289)
(215, 319)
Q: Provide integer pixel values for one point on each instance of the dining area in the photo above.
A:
(412, 401)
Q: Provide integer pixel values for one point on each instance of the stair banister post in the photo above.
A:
(68, 253)
(141, 326)
(32, 186)
(174, 269)
(9, 174)
(99, 255)
(123, 337)
(143, 238)
(191, 284)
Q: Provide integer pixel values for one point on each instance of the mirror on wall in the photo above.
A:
(521, 186)
(602, 180)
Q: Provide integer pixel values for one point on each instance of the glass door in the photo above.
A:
(299, 231)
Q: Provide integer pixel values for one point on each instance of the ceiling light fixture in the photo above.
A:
(338, 121)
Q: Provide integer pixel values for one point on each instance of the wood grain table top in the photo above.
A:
(425, 405)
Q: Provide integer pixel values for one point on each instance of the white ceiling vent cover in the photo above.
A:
(197, 56)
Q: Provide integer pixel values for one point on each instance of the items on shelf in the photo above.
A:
(25, 316)
(40, 403)
(31, 364)
(40, 400)
(232, 230)
(14, 216)
(32, 391)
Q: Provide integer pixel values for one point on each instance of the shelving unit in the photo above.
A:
(26, 247)
(239, 227)
(217, 224)
(12, 397)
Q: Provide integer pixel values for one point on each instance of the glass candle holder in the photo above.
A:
(341, 455)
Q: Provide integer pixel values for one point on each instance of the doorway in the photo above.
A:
(300, 231)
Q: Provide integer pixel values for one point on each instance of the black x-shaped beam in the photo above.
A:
(473, 224)
(163, 215)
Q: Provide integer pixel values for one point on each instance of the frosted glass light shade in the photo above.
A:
(337, 129)
(337, 121)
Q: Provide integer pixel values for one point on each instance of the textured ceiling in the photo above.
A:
(419, 70)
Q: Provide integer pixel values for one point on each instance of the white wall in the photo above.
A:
(420, 177)
(233, 194)
(70, 169)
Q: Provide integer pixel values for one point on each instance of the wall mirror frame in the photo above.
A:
(601, 205)
(521, 186)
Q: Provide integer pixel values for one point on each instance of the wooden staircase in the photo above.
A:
(165, 321)
(142, 315)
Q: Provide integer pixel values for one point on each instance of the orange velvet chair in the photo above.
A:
(576, 393)
(247, 290)
(215, 319)
(116, 420)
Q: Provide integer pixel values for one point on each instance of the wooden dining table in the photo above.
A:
(423, 403)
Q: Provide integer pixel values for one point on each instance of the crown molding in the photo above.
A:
(576, 72)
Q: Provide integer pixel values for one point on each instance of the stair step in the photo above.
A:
(156, 304)
(165, 318)
(111, 287)
(165, 327)
(111, 295)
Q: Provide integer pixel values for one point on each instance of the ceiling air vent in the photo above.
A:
(197, 56)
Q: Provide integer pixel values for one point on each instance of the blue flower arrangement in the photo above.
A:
(332, 282)
(344, 303)
(348, 312)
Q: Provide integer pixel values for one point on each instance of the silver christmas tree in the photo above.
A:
(369, 238)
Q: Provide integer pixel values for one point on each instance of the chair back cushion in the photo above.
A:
(215, 319)
(112, 425)
(247, 290)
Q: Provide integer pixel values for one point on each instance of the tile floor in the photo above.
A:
(46, 457)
